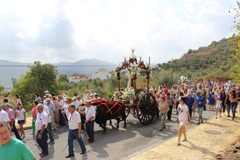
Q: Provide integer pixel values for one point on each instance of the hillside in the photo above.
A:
(211, 62)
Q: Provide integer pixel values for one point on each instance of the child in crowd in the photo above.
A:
(218, 106)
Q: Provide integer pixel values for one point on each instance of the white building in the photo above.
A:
(75, 78)
(101, 74)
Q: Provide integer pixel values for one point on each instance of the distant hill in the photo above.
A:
(84, 66)
(211, 62)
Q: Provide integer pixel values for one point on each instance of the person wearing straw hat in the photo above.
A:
(90, 113)
(65, 108)
(86, 96)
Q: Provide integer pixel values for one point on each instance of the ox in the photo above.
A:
(103, 114)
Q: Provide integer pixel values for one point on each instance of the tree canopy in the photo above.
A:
(236, 69)
(63, 78)
(37, 80)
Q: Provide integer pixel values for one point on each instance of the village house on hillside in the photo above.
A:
(101, 74)
(75, 78)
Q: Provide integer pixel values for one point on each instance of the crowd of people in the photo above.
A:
(47, 114)
(51, 111)
(194, 96)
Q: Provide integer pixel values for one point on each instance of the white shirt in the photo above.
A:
(85, 97)
(51, 107)
(20, 114)
(46, 110)
(93, 94)
(79, 102)
(65, 107)
(45, 101)
(60, 103)
(73, 120)
(4, 116)
(218, 103)
(75, 103)
(90, 112)
(183, 112)
(42, 119)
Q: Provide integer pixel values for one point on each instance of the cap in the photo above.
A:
(47, 95)
(68, 99)
(46, 91)
(218, 97)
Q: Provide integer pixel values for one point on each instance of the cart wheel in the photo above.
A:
(146, 108)
(112, 99)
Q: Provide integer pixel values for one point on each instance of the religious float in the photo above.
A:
(135, 96)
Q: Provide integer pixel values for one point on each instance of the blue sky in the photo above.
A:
(68, 31)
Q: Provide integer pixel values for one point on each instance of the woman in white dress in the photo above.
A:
(184, 116)
(21, 119)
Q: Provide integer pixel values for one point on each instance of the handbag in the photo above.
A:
(213, 96)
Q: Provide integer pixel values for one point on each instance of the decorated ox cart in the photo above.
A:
(136, 97)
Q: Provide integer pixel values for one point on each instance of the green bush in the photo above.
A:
(189, 74)
(192, 69)
(211, 61)
(200, 65)
(224, 68)
(5, 94)
(70, 93)
(204, 73)
(204, 66)
(195, 66)
(109, 95)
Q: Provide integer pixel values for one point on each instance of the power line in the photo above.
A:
(57, 65)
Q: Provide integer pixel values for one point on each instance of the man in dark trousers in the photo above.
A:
(190, 100)
(170, 102)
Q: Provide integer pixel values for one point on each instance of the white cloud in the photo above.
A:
(21, 35)
(107, 30)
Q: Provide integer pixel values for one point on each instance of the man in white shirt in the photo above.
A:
(65, 109)
(90, 113)
(79, 101)
(46, 97)
(92, 93)
(41, 127)
(75, 102)
(74, 120)
(4, 116)
(52, 112)
(49, 124)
